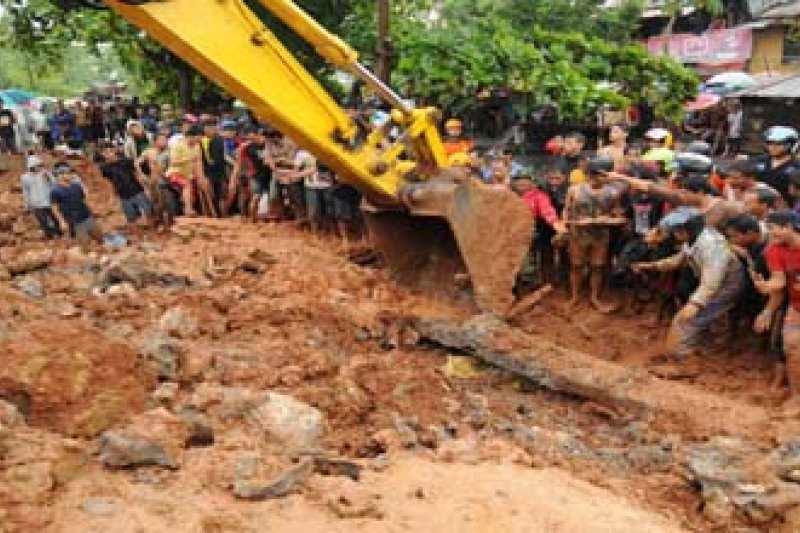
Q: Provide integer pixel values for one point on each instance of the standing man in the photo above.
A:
(735, 123)
(617, 148)
(775, 168)
(8, 136)
(70, 198)
(574, 144)
(37, 185)
(121, 172)
(783, 260)
(591, 210)
(214, 163)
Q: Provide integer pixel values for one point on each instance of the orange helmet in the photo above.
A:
(453, 123)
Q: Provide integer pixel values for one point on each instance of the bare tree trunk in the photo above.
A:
(185, 78)
(384, 50)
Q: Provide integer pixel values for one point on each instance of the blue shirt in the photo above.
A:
(71, 201)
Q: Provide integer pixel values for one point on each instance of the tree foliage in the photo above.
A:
(446, 50)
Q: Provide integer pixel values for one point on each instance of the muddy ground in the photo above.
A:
(230, 377)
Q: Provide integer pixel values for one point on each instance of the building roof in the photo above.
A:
(786, 9)
(783, 86)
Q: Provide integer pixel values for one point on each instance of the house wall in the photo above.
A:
(768, 52)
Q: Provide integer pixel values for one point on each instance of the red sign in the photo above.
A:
(716, 47)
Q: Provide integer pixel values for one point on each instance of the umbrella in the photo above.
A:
(728, 82)
(16, 96)
(703, 101)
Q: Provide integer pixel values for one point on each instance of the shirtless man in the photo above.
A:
(151, 167)
(591, 209)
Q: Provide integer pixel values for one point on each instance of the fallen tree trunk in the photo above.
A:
(546, 364)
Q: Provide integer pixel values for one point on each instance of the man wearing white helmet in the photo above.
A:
(658, 142)
(779, 163)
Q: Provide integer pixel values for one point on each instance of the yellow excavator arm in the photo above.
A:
(430, 228)
(228, 43)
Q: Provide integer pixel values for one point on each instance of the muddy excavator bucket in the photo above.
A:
(454, 231)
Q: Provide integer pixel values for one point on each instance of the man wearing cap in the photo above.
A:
(37, 184)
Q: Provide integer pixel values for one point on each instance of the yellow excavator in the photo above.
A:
(432, 227)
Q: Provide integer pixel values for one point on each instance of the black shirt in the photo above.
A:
(214, 158)
(777, 177)
(255, 154)
(6, 123)
(122, 176)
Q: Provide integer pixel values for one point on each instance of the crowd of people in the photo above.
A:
(654, 220)
(174, 165)
(709, 241)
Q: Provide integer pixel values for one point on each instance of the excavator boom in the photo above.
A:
(427, 226)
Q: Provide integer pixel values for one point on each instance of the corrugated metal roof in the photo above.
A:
(787, 86)
(787, 10)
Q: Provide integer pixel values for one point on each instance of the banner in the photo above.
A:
(712, 47)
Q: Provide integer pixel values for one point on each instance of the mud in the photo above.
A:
(214, 317)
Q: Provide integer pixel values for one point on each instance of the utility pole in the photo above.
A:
(384, 51)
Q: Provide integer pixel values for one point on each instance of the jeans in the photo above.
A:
(48, 222)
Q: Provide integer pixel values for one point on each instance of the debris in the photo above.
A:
(10, 415)
(30, 286)
(29, 262)
(154, 438)
(285, 484)
(337, 467)
(529, 301)
(162, 355)
(460, 367)
(178, 322)
(286, 420)
(198, 424)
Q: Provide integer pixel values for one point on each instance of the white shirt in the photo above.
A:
(735, 120)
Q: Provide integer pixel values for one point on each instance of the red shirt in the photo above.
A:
(781, 258)
(541, 206)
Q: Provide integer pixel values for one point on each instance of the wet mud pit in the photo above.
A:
(228, 377)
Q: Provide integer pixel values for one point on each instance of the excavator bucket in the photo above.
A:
(452, 233)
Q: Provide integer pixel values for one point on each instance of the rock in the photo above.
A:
(283, 485)
(127, 269)
(162, 355)
(29, 262)
(407, 435)
(156, 438)
(199, 426)
(5, 275)
(337, 467)
(122, 289)
(30, 287)
(165, 392)
(118, 450)
(226, 402)
(10, 415)
(178, 322)
(100, 506)
(290, 422)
